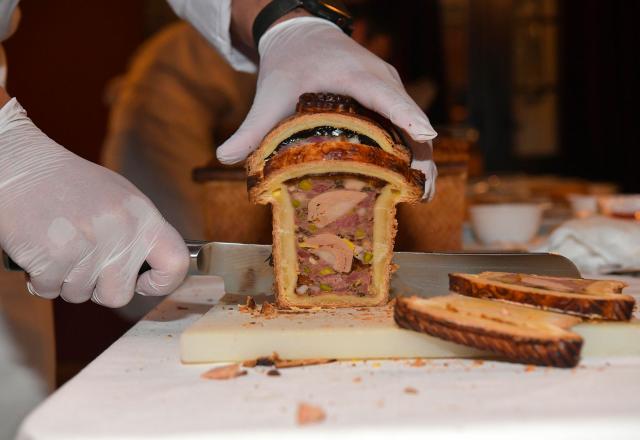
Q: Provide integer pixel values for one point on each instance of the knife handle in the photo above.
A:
(194, 247)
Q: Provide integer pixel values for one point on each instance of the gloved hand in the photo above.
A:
(78, 229)
(309, 54)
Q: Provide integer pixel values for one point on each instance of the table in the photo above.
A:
(139, 389)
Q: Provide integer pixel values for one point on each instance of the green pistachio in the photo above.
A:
(305, 185)
(359, 234)
(325, 287)
(368, 257)
(326, 271)
(295, 203)
(313, 228)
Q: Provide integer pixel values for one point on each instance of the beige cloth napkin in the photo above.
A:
(598, 244)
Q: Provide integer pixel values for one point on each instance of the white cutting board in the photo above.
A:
(226, 334)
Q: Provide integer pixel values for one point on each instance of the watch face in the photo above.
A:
(336, 7)
(333, 10)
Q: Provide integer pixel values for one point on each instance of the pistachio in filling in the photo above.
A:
(334, 231)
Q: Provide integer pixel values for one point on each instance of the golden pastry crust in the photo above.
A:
(448, 318)
(336, 157)
(300, 122)
(269, 168)
(598, 299)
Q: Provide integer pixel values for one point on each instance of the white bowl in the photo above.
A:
(506, 222)
(620, 205)
(583, 205)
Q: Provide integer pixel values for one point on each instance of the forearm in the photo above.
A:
(243, 14)
(4, 97)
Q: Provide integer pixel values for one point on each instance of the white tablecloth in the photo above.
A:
(138, 389)
(27, 357)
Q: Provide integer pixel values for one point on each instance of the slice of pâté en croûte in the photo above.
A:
(333, 176)
(595, 299)
(518, 334)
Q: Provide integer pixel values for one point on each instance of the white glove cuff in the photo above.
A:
(3, 68)
(25, 151)
(12, 115)
(290, 26)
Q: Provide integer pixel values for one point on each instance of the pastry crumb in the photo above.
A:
(275, 361)
(267, 361)
(280, 363)
(268, 309)
(418, 363)
(249, 306)
(273, 372)
(308, 414)
(478, 362)
(357, 379)
(250, 363)
(410, 390)
(224, 373)
(529, 368)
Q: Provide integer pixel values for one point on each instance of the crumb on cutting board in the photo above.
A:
(275, 361)
(249, 306)
(308, 414)
(250, 363)
(280, 363)
(224, 373)
(410, 390)
(268, 309)
(418, 363)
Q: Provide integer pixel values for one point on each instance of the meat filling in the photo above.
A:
(545, 283)
(334, 231)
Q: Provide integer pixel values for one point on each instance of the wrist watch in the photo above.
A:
(332, 10)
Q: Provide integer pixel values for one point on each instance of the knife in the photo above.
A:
(246, 268)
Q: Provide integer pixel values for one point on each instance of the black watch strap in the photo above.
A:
(275, 9)
(269, 14)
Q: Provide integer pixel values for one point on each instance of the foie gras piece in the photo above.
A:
(596, 299)
(333, 177)
(519, 334)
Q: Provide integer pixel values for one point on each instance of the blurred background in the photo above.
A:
(534, 100)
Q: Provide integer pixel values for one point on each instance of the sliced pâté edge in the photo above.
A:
(518, 334)
(595, 299)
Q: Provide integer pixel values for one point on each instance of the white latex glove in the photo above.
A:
(78, 229)
(9, 18)
(310, 54)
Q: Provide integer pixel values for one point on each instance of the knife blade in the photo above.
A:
(246, 268)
